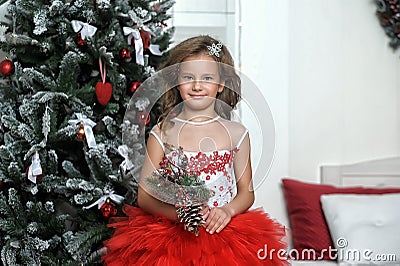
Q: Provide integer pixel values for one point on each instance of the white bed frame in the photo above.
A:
(376, 173)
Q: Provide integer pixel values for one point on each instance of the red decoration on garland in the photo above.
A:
(103, 92)
(143, 118)
(1, 183)
(79, 40)
(81, 132)
(145, 39)
(103, 88)
(108, 209)
(135, 85)
(125, 54)
(7, 67)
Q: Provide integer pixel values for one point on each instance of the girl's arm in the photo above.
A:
(154, 155)
(218, 218)
(244, 183)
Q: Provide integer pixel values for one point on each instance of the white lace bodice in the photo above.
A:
(215, 167)
(216, 170)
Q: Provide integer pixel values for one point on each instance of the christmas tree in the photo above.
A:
(71, 71)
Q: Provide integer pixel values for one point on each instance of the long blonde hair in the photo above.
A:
(228, 98)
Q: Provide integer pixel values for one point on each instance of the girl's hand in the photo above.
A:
(205, 212)
(217, 219)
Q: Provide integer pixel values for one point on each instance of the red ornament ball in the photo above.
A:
(108, 209)
(7, 67)
(79, 40)
(143, 118)
(125, 53)
(1, 183)
(135, 86)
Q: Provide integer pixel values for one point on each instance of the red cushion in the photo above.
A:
(309, 228)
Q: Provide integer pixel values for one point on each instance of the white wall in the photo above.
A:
(211, 17)
(344, 86)
(265, 58)
(331, 81)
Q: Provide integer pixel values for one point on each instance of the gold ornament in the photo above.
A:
(81, 132)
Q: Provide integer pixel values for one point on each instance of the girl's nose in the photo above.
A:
(196, 85)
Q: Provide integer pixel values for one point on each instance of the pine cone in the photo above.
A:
(191, 217)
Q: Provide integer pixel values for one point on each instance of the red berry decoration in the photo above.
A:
(7, 67)
(108, 209)
(143, 118)
(125, 53)
(135, 85)
(1, 183)
(79, 40)
(103, 92)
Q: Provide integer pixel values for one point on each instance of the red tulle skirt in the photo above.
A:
(251, 238)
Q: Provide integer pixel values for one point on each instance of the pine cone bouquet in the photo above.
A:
(191, 218)
(175, 183)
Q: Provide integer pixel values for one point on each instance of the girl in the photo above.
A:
(196, 116)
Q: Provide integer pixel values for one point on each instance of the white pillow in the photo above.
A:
(365, 229)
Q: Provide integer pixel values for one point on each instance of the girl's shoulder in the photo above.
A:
(234, 126)
(156, 129)
(237, 131)
(162, 132)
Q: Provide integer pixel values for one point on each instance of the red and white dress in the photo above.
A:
(145, 239)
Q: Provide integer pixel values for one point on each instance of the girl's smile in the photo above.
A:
(194, 96)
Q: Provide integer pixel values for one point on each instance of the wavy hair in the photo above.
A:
(230, 95)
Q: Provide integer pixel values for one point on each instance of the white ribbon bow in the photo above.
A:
(154, 48)
(127, 165)
(134, 33)
(87, 126)
(85, 29)
(35, 169)
(114, 197)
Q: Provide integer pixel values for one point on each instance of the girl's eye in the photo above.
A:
(187, 77)
(208, 78)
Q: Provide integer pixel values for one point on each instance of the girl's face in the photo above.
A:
(199, 81)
